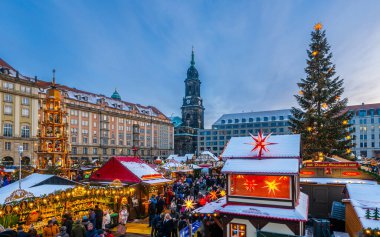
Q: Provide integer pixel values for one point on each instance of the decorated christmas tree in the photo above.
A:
(322, 119)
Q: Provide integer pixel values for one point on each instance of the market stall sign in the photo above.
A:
(353, 165)
(304, 172)
(351, 173)
(151, 176)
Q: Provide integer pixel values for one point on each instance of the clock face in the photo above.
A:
(188, 101)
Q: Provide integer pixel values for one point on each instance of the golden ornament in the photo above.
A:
(314, 53)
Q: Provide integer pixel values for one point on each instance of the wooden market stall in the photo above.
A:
(43, 196)
(137, 174)
(263, 195)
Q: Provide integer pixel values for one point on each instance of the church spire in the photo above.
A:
(53, 82)
(192, 57)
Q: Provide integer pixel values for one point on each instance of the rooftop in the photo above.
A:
(253, 115)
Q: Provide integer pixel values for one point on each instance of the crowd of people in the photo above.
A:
(5, 180)
(167, 212)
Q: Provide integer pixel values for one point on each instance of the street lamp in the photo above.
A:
(20, 151)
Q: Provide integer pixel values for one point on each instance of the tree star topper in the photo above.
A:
(260, 143)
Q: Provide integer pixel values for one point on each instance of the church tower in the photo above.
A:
(192, 106)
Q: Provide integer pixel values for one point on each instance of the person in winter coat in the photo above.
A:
(62, 232)
(123, 215)
(32, 232)
(21, 232)
(91, 231)
(78, 230)
(108, 233)
(182, 223)
(155, 225)
(167, 226)
(151, 212)
(160, 205)
(106, 220)
(175, 218)
(92, 217)
(50, 230)
(68, 222)
(98, 217)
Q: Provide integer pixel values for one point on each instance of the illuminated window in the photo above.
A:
(260, 186)
(238, 230)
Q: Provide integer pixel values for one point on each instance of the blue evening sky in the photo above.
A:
(250, 54)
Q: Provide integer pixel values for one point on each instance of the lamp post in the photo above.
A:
(20, 151)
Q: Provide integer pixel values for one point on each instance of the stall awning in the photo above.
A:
(157, 181)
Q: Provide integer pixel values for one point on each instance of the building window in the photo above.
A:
(74, 121)
(104, 151)
(73, 139)
(85, 150)
(25, 101)
(25, 112)
(25, 146)
(8, 146)
(84, 123)
(238, 230)
(74, 150)
(8, 98)
(113, 151)
(94, 150)
(25, 131)
(85, 140)
(8, 85)
(7, 109)
(95, 140)
(8, 130)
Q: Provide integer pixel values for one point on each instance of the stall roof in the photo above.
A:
(285, 146)
(297, 214)
(261, 166)
(211, 207)
(363, 197)
(157, 181)
(336, 181)
(38, 185)
(126, 169)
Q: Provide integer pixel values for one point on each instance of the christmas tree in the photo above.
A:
(367, 214)
(376, 214)
(322, 119)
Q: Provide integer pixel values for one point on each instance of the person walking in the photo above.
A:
(21, 232)
(98, 217)
(50, 230)
(175, 218)
(123, 215)
(167, 225)
(91, 231)
(78, 230)
(63, 232)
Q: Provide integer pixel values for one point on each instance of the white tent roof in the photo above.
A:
(262, 166)
(139, 168)
(286, 146)
(27, 184)
(363, 197)
(297, 214)
(207, 153)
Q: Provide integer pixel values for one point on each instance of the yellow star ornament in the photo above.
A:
(272, 186)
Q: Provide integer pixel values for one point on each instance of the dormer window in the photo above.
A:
(85, 98)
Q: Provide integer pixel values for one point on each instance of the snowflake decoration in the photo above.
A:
(260, 143)
(250, 184)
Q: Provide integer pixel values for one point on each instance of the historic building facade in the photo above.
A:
(192, 113)
(18, 115)
(99, 126)
(240, 125)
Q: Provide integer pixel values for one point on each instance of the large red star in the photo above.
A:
(260, 143)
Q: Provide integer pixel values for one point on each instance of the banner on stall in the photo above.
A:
(185, 231)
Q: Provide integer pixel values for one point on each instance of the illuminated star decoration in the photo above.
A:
(272, 186)
(189, 204)
(260, 143)
(213, 195)
(318, 26)
(250, 184)
(223, 193)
